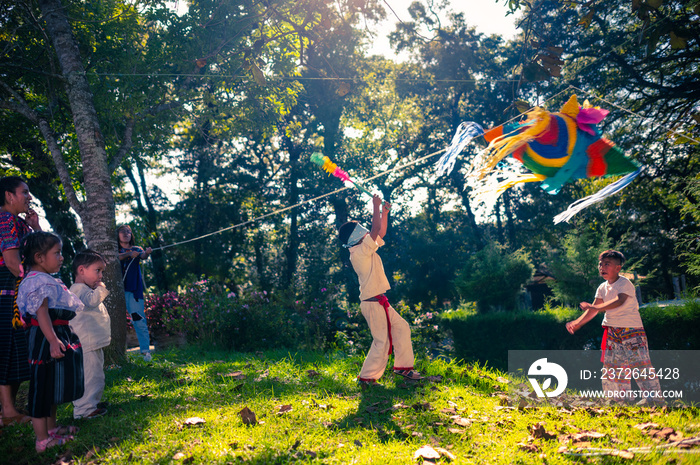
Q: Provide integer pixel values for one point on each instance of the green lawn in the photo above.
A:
(309, 409)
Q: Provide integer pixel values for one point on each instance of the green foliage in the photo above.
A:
(210, 314)
(488, 338)
(493, 278)
(688, 246)
(575, 265)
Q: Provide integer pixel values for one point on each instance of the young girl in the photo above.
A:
(130, 255)
(55, 354)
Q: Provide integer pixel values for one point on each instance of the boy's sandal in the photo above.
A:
(51, 441)
(409, 374)
(62, 431)
(18, 419)
(365, 383)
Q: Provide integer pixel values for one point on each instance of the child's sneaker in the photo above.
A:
(147, 357)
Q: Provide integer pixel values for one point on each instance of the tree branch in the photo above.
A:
(19, 105)
(127, 142)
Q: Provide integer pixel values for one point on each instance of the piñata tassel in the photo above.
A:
(602, 194)
(465, 133)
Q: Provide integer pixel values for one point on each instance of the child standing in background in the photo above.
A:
(93, 328)
(55, 354)
(130, 256)
(389, 331)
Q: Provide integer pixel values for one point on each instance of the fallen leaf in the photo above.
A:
(445, 453)
(426, 452)
(522, 404)
(449, 411)
(527, 447)
(193, 421)
(539, 432)
(647, 425)
(434, 379)
(460, 421)
(501, 379)
(312, 373)
(456, 430)
(284, 409)
(235, 375)
(179, 456)
(358, 443)
(422, 406)
(248, 416)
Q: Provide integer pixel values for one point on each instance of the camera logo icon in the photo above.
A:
(552, 372)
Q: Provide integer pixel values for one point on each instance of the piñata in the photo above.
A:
(555, 148)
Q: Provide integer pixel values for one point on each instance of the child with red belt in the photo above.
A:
(624, 344)
(390, 332)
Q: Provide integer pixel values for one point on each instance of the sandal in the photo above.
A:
(51, 441)
(63, 431)
(18, 419)
(409, 374)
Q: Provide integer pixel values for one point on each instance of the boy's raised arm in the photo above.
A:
(376, 219)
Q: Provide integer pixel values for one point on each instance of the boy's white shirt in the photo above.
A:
(369, 267)
(627, 314)
(93, 324)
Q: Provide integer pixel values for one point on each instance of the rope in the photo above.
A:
(282, 210)
(295, 78)
(613, 104)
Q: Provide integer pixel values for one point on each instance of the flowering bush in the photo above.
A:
(211, 314)
(428, 335)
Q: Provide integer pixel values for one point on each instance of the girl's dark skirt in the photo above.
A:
(54, 380)
(13, 342)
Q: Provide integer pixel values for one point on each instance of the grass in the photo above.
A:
(323, 416)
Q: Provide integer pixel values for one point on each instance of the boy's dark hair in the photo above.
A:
(86, 258)
(613, 254)
(9, 184)
(127, 227)
(39, 242)
(345, 230)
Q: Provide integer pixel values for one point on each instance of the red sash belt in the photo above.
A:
(384, 302)
(35, 322)
(604, 344)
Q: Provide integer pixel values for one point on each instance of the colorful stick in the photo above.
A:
(329, 167)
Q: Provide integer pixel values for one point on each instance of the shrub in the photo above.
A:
(208, 313)
(493, 278)
(488, 338)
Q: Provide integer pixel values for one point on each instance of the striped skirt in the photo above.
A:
(54, 380)
(13, 342)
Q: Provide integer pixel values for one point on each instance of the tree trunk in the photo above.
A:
(292, 250)
(97, 212)
(158, 258)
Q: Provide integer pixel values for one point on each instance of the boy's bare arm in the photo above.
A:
(385, 219)
(376, 218)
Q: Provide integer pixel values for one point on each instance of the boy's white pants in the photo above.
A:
(378, 354)
(93, 367)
